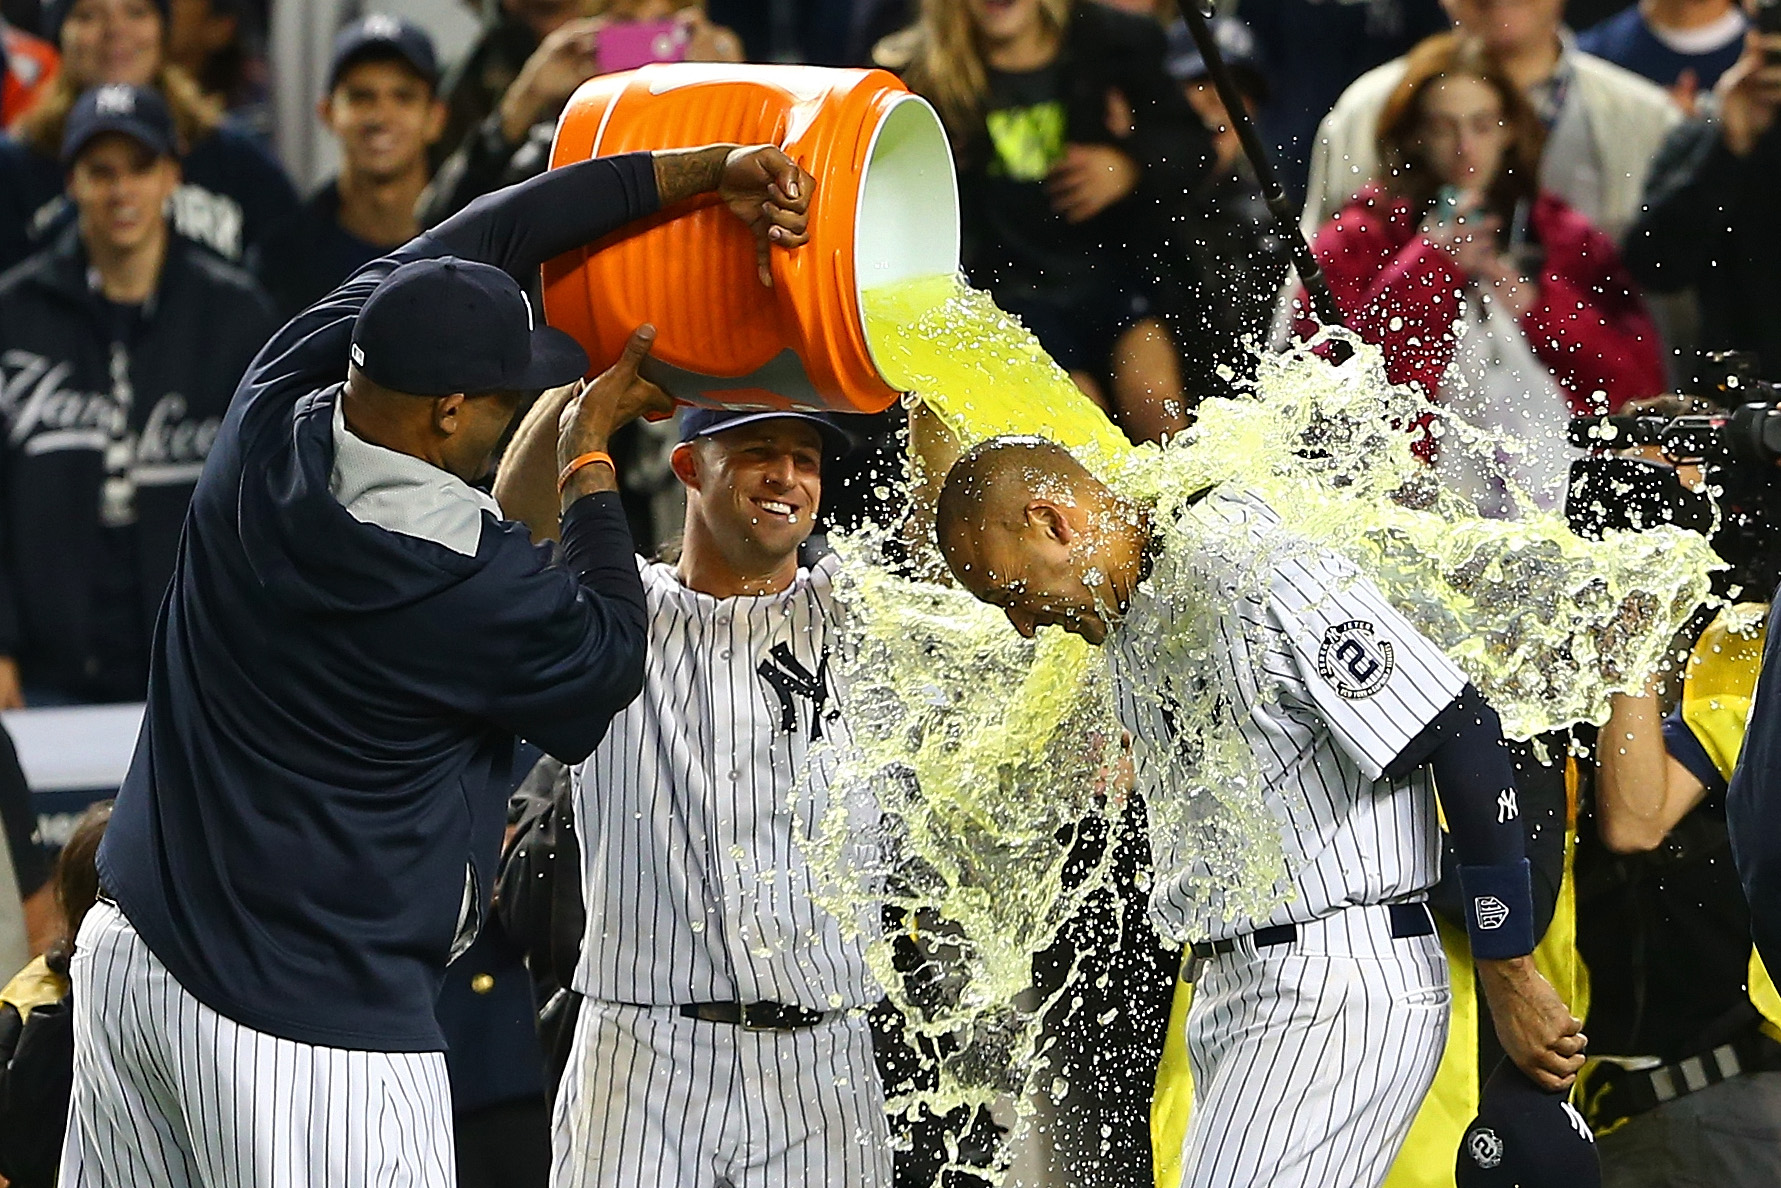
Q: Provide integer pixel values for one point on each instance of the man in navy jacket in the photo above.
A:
(120, 346)
(353, 638)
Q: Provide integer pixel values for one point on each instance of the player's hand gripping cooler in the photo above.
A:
(886, 211)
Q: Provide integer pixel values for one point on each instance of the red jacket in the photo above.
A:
(1588, 324)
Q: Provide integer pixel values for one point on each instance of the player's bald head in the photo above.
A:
(1024, 526)
(988, 489)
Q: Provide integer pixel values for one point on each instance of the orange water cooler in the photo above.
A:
(885, 209)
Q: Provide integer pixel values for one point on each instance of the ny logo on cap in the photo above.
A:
(382, 26)
(531, 325)
(115, 100)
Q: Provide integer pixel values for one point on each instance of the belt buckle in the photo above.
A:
(753, 1021)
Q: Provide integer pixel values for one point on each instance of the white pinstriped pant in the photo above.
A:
(653, 1100)
(1311, 1059)
(169, 1093)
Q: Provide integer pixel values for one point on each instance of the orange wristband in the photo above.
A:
(587, 459)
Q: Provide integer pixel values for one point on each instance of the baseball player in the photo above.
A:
(723, 1037)
(352, 640)
(1316, 1030)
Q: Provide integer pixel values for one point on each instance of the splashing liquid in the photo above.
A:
(983, 754)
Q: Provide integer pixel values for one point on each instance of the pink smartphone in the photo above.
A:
(626, 45)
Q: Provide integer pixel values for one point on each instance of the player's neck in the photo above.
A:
(380, 210)
(708, 569)
(1129, 558)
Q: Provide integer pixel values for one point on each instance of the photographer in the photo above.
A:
(1684, 1019)
(1711, 220)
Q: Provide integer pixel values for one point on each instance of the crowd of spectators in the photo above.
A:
(1534, 212)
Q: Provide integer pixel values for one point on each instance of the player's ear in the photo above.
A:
(448, 413)
(1050, 521)
(684, 462)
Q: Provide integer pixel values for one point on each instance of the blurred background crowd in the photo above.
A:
(1535, 209)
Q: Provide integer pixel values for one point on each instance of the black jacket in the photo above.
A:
(70, 392)
(36, 1083)
(1710, 224)
(1104, 53)
(321, 780)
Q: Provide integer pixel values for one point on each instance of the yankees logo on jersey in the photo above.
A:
(694, 783)
(697, 892)
(790, 680)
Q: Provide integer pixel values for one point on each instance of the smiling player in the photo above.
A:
(723, 1038)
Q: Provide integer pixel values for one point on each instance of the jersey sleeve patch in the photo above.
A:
(1371, 676)
(1355, 659)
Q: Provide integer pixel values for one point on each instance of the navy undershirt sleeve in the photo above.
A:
(520, 227)
(1687, 750)
(1475, 780)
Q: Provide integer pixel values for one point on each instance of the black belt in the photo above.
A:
(756, 1016)
(1612, 1093)
(1407, 920)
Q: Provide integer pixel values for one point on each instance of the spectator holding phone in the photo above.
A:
(1603, 123)
(512, 142)
(1710, 222)
(1495, 298)
(514, 30)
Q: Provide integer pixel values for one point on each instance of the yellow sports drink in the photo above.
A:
(977, 368)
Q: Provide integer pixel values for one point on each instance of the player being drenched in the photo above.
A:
(1316, 1030)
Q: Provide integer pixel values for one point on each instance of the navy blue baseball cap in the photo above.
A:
(382, 36)
(137, 112)
(703, 422)
(1525, 1137)
(445, 325)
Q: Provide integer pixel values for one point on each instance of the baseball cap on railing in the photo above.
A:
(383, 35)
(137, 112)
(439, 326)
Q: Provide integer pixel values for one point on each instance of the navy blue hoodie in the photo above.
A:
(332, 708)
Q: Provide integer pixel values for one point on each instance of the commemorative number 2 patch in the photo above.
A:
(1354, 660)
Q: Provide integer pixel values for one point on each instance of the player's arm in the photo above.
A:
(1642, 790)
(569, 423)
(1475, 780)
(522, 226)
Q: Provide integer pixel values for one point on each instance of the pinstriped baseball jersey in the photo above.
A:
(696, 888)
(1327, 684)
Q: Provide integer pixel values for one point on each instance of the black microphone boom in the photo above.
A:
(1323, 302)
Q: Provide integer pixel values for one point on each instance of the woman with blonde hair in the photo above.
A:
(1067, 130)
(232, 192)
